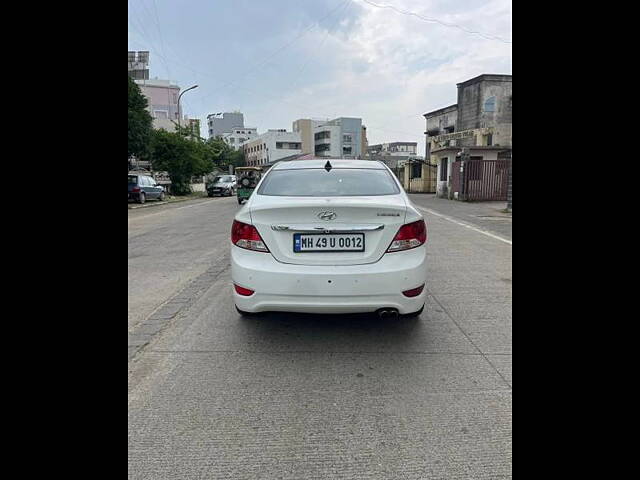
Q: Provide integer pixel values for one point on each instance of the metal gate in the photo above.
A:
(481, 180)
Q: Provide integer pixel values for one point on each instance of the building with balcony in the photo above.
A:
(480, 122)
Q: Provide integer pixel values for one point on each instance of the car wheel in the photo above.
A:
(161, 197)
(239, 201)
(209, 194)
(141, 198)
(414, 314)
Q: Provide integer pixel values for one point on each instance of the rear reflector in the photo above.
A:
(246, 236)
(243, 291)
(414, 292)
(409, 236)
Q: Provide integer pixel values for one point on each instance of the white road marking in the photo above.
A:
(466, 225)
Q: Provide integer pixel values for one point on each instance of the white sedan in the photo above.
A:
(336, 236)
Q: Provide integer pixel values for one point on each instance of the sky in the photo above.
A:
(280, 60)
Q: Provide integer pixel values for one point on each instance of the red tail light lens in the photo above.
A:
(245, 292)
(135, 189)
(414, 292)
(246, 236)
(409, 236)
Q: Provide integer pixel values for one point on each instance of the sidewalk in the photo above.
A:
(490, 216)
(169, 199)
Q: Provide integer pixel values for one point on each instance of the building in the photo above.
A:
(139, 65)
(222, 123)
(343, 137)
(306, 127)
(397, 149)
(271, 146)
(480, 122)
(162, 97)
(239, 136)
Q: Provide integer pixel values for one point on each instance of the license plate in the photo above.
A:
(328, 242)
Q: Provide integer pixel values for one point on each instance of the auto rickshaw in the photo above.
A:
(247, 179)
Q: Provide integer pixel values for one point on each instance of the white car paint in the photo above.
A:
(328, 282)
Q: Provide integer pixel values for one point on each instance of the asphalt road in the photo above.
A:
(291, 396)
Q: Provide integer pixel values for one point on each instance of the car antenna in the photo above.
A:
(327, 166)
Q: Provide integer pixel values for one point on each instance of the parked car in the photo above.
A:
(329, 237)
(143, 188)
(222, 185)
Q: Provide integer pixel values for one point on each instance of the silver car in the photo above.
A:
(222, 185)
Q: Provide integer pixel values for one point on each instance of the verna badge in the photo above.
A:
(327, 216)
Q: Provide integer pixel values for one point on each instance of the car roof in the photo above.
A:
(335, 163)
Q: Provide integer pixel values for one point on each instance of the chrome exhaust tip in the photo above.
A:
(387, 314)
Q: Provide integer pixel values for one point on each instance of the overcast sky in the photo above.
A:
(280, 60)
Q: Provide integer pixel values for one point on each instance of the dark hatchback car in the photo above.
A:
(143, 188)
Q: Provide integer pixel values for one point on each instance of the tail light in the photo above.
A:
(135, 189)
(246, 236)
(245, 292)
(414, 292)
(409, 236)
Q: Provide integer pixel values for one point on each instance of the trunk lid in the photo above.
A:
(378, 217)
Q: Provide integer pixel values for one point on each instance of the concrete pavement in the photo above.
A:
(295, 396)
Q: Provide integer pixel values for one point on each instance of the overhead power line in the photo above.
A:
(435, 20)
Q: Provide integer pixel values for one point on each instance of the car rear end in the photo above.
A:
(338, 240)
(134, 187)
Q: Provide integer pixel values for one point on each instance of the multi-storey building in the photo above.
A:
(397, 149)
(162, 97)
(223, 123)
(480, 123)
(271, 146)
(239, 136)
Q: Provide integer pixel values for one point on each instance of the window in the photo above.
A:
(323, 147)
(323, 134)
(346, 150)
(490, 104)
(490, 139)
(347, 138)
(161, 114)
(281, 145)
(338, 182)
(416, 170)
(444, 167)
(232, 140)
(133, 179)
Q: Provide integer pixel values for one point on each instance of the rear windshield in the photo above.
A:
(226, 178)
(133, 179)
(338, 182)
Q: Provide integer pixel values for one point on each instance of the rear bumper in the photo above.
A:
(329, 289)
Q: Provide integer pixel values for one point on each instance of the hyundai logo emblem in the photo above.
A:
(327, 215)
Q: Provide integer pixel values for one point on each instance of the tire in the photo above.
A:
(209, 194)
(161, 197)
(414, 314)
(239, 201)
(142, 198)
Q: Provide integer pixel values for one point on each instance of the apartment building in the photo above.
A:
(271, 146)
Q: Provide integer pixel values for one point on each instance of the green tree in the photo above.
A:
(140, 122)
(182, 158)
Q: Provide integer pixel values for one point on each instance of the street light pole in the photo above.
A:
(179, 113)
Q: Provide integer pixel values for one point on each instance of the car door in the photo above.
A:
(156, 188)
(151, 188)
